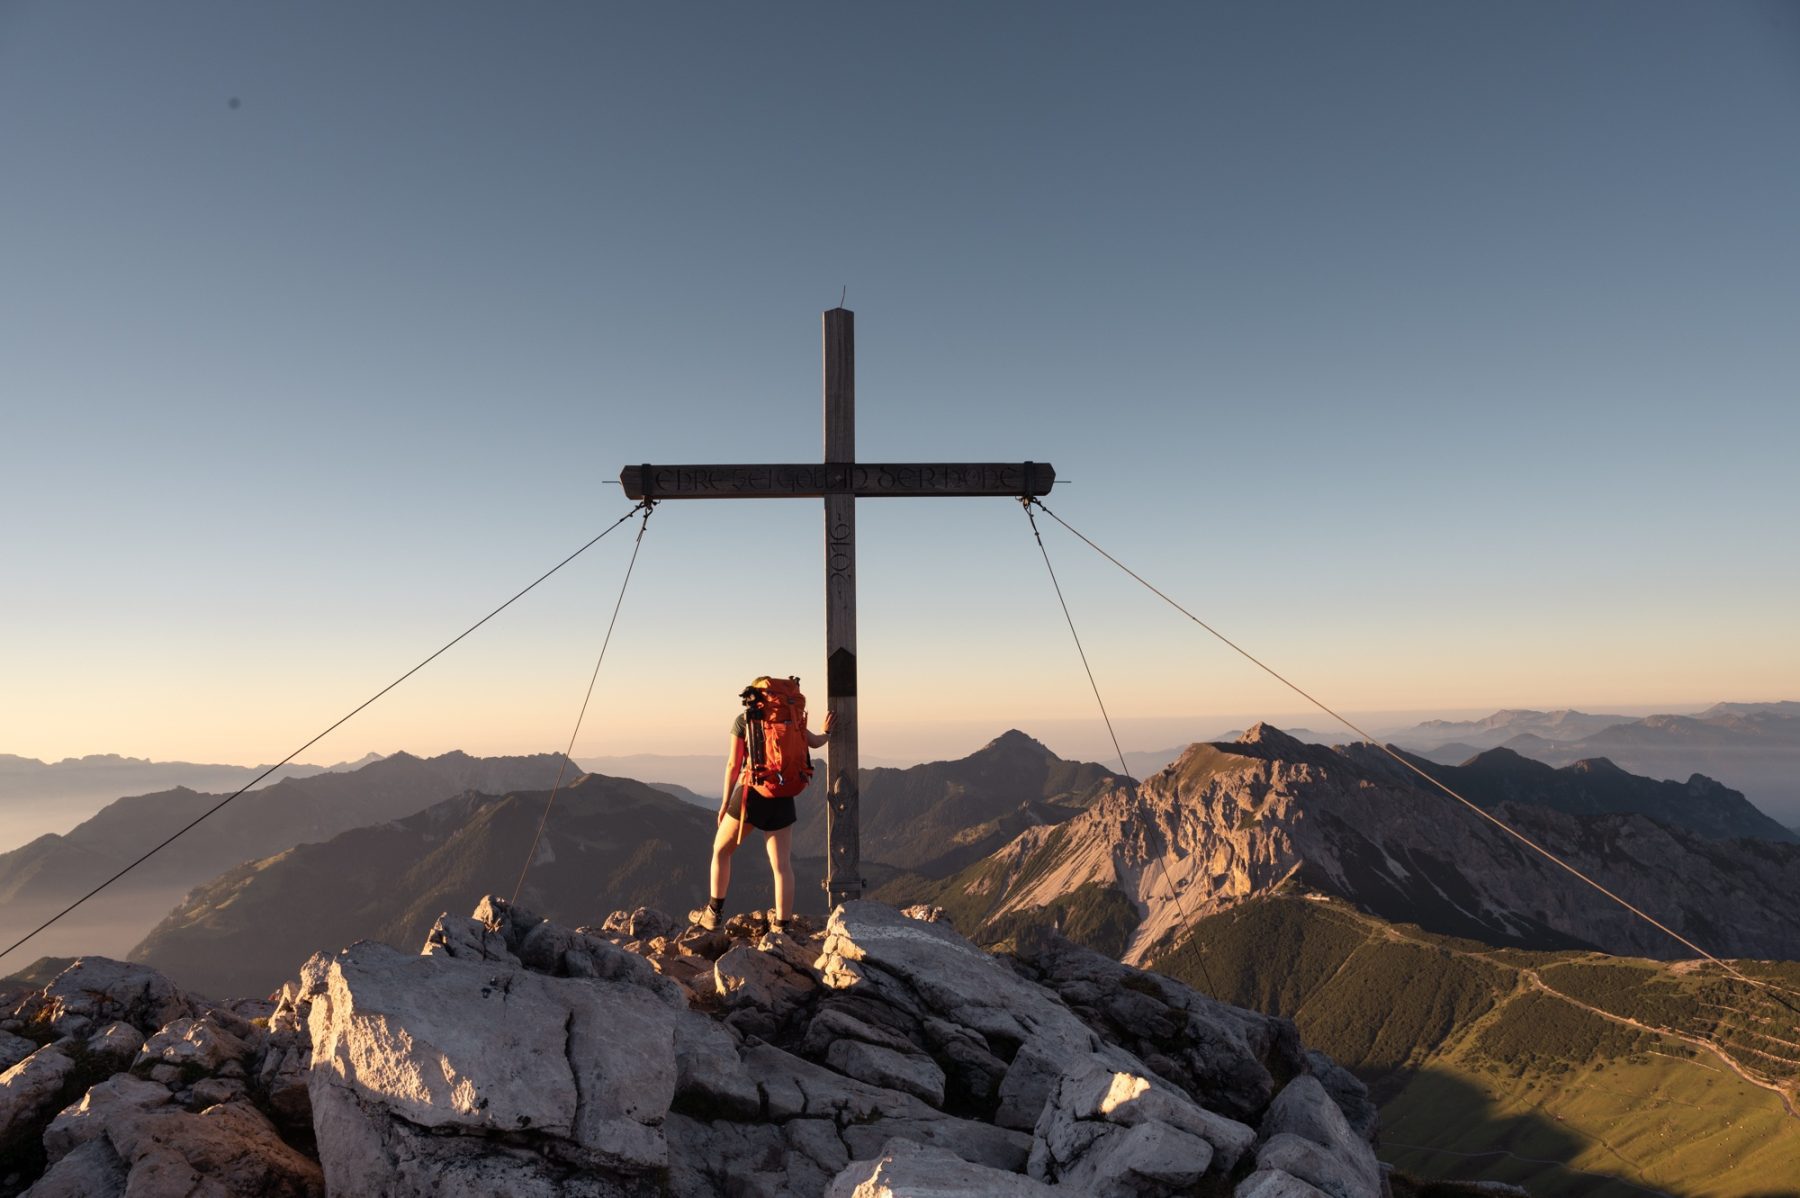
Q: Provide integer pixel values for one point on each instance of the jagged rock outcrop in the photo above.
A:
(139, 1088)
(1227, 822)
(881, 1055)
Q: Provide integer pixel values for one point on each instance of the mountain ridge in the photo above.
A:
(1228, 821)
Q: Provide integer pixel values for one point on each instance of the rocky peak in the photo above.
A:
(881, 1054)
(1504, 760)
(1271, 742)
(1012, 741)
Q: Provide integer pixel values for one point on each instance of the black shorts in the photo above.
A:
(766, 814)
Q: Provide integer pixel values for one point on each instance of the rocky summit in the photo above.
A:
(883, 1054)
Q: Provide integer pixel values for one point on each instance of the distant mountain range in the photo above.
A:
(1328, 884)
(1228, 822)
(1751, 747)
(609, 843)
(935, 818)
(39, 878)
(52, 796)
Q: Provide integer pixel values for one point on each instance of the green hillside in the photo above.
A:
(1569, 1073)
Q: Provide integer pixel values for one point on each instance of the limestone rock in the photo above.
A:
(84, 1121)
(115, 1044)
(928, 971)
(93, 1170)
(748, 977)
(282, 1076)
(211, 1091)
(968, 1139)
(1149, 1160)
(374, 1155)
(907, 1170)
(710, 1079)
(581, 1073)
(744, 1160)
(647, 923)
(879, 1066)
(1126, 1133)
(227, 1151)
(466, 939)
(799, 953)
(100, 990)
(831, 1023)
(194, 1046)
(1273, 1183)
(1227, 1058)
(30, 1092)
(1347, 1090)
(14, 1049)
(1343, 1164)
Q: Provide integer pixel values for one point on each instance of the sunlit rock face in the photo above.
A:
(880, 1054)
(1226, 822)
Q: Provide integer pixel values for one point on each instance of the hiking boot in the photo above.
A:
(779, 927)
(704, 917)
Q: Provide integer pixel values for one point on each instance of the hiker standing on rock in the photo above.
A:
(768, 765)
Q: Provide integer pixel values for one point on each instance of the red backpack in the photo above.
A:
(775, 736)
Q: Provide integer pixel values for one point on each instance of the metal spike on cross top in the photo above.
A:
(840, 480)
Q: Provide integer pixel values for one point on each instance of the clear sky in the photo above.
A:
(1444, 355)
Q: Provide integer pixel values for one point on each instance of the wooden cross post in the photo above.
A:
(840, 480)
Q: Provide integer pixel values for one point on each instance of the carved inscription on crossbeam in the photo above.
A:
(865, 480)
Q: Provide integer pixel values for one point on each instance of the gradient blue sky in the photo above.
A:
(1445, 355)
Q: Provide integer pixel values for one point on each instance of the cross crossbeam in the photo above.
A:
(840, 480)
(814, 480)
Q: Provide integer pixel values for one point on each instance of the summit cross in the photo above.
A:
(840, 480)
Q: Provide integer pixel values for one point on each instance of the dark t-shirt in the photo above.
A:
(771, 815)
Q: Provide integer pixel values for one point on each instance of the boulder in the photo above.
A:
(466, 939)
(1226, 1058)
(579, 1073)
(14, 1049)
(197, 1047)
(211, 1091)
(744, 1160)
(31, 1092)
(1305, 1135)
(85, 1120)
(749, 977)
(283, 1078)
(797, 952)
(929, 971)
(1347, 1090)
(370, 1154)
(880, 1066)
(114, 1045)
(1126, 1133)
(903, 1169)
(92, 1170)
(95, 991)
(710, 1079)
(227, 1151)
(1273, 1183)
(831, 1023)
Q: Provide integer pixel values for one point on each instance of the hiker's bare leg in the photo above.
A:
(724, 845)
(781, 864)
